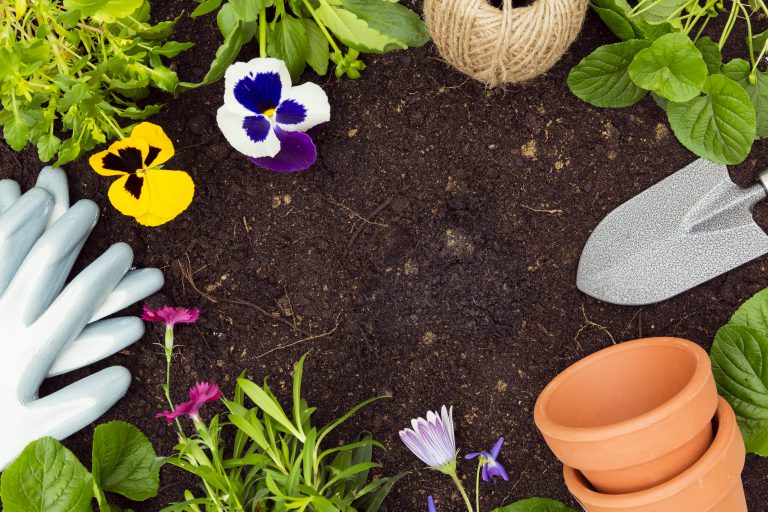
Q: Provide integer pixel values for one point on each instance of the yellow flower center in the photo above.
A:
(270, 113)
(141, 173)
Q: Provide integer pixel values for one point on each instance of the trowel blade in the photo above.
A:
(687, 229)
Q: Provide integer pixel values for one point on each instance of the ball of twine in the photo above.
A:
(507, 45)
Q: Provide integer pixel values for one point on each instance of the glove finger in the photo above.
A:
(20, 227)
(45, 269)
(9, 193)
(54, 180)
(98, 341)
(135, 286)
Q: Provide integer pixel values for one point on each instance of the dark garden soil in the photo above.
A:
(430, 255)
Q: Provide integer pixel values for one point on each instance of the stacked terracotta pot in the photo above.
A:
(639, 428)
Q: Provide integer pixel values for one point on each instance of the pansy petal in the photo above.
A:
(472, 455)
(232, 126)
(239, 71)
(498, 470)
(497, 448)
(122, 157)
(309, 96)
(297, 152)
(170, 193)
(160, 147)
(129, 195)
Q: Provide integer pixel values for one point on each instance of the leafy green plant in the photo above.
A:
(258, 459)
(740, 364)
(47, 477)
(535, 505)
(716, 109)
(71, 70)
(308, 32)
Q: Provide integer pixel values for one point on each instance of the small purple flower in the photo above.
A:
(265, 117)
(431, 505)
(491, 468)
(432, 439)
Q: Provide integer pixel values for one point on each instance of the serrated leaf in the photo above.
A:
(618, 24)
(318, 53)
(105, 11)
(16, 129)
(672, 67)
(354, 32)
(535, 505)
(124, 461)
(46, 477)
(740, 365)
(753, 313)
(288, 42)
(739, 70)
(391, 19)
(601, 78)
(720, 125)
(710, 52)
(47, 146)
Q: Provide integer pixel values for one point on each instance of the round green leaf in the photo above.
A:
(672, 66)
(46, 478)
(601, 78)
(753, 313)
(535, 505)
(739, 70)
(618, 24)
(720, 125)
(710, 52)
(740, 365)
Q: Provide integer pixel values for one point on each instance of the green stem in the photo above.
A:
(467, 501)
(477, 485)
(322, 27)
(263, 33)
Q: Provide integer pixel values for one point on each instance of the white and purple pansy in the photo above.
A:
(265, 117)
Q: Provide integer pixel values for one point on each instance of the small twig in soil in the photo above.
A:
(355, 214)
(590, 323)
(360, 228)
(539, 210)
(639, 324)
(303, 340)
(186, 272)
(206, 141)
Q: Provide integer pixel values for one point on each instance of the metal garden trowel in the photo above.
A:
(685, 230)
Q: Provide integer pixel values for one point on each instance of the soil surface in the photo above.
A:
(431, 252)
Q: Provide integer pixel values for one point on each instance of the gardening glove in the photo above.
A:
(48, 329)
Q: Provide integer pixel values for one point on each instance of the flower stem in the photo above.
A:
(168, 347)
(477, 484)
(458, 483)
(263, 33)
(322, 28)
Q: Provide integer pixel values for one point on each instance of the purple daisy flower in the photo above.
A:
(491, 468)
(264, 116)
(432, 439)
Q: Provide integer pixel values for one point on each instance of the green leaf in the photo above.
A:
(16, 129)
(124, 461)
(318, 54)
(759, 41)
(740, 70)
(371, 502)
(105, 11)
(288, 42)
(740, 365)
(659, 11)
(720, 125)
(618, 24)
(298, 375)
(205, 7)
(536, 505)
(68, 151)
(391, 19)
(248, 10)
(47, 146)
(601, 78)
(753, 313)
(672, 66)
(46, 478)
(172, 48)
(269, 405)
(354, 32)
(710, 52)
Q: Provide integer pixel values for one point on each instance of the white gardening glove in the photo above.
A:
(46, 331)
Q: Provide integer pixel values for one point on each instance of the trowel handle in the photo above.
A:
(763, 179)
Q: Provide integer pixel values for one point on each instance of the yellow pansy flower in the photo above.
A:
(152, 195)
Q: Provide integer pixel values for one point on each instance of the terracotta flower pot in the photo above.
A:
(711, 484)
(633, 415)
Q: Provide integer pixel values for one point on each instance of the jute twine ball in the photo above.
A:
(507, 45)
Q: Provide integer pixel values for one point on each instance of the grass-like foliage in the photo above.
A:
(258, 459)
(73, 72)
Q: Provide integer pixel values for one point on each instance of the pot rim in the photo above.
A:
(699, 380)
(727, 430)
